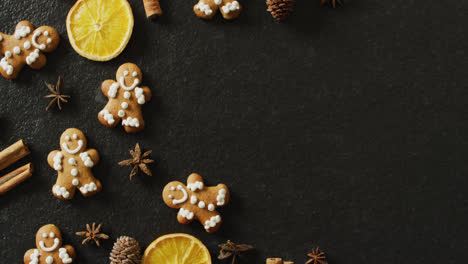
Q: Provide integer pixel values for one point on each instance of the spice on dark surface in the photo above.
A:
(139, 161)
(334, 3)
(57, 94)
(316, 257)
(92, 235)
(232, 250)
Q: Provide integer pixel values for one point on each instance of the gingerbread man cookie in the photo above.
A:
(49, 248)
(197, 202)
(73, 164)
(125, 99)
(206, 9)
(26, 46)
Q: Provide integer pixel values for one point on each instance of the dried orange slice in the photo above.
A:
(99, 30)
(176, 249)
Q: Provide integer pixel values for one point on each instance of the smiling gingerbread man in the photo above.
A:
(49, 248)
(73, 165)
(197, 201)
(125, 99)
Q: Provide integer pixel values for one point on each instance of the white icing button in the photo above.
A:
(44, 235)
(201, 204)
(75, 182)
(135, 74)
(193, 199)
(74, 172)
(74, 136)
(8, 54)
(124, 105)
(71, 161)
(49, 260)
(121, 113)
(125, 73)
(16, 50)
(127, 95)
(27, 45)
(52, 234)
(218, 2)
(211, 207)
(1, 38)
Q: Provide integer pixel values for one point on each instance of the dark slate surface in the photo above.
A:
(344, 129)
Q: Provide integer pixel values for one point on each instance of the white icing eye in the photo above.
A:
(170, 196)
(44, 235)
(135, 74)
(67, 138)
(46, 33)
(74, 136)
(172, 188)
(125, 73)
(51, 233)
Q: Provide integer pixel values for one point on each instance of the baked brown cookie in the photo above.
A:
(196, 201)
(49, 248)
(73, 164)
(26, 46)
(125, 99)
(206, 9)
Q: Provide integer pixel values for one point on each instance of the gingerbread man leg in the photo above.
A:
(89, 185)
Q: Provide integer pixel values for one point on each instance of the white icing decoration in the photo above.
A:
(6, 66)
(127, 95)
(44, 235)
(8, 54)
(16, 50)
(86, 159)
(49, 40)
(139, 95)
(74, 172)
(131, 122)
(214, 220)
(193, 199)
(22, 32)
(74, 136)
(128, 88)
(74, 151)
(113, 90)
(170, 196)
(27, 45)
(63, 255)
(186, 213)
(125, 73)
(172, 188)
(201, 204)
(49, 260)
(124, 105)
(34, 257)
(46, 33)
(61, 191)
(72, 161)
(67, 138)
(1, 38)
(184, 198)
(135, 74)
(194, 186)
(204, 8)
(107, 116)
(51, 248)
(91, 187)
(58, 161)
(121, 113)
(211, 207)
(52, 234)
(218, 2)
(34, 41)
(75, 182)
(32, 57)
(221, 196)
(233, 6)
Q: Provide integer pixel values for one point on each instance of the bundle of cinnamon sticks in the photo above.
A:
(9, 156)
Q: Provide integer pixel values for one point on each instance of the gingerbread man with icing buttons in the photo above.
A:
(73, 164)
(49, 248)
(196, 201)
(26, 46)
(125, 99)
(206, 9)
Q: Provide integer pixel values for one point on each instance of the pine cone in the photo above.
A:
(126, 250)
(280, 9)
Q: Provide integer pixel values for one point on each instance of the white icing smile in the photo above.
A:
(49, 249)
(183, 199)
(122, 83)
(74, 151)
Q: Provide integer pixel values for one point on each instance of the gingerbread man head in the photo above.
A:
(196, 201)
(125, 99)
(26, 46)
(49, 248)
(73, 164)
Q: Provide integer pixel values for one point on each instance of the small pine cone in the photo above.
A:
(280, 9)
(126, 250)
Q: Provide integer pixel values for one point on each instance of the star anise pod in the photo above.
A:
(333, 2)
(92, 235)
(230, 249)
(316, 257)
(57, 94)
(138, 161)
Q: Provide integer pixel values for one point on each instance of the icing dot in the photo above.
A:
(218, 2)
(211, 207)
(127, 95)
(74, 136)
(52, 234)
(124, 105)
(1, 38)
(27, 45)
(44, 235)
(193, 199)
(171, 196)
(121, 113)
(125, 73)
(75, 182)
(74, 172)
(8, 54)
(135, 74)
(172, 188)
(67, 138)
(49, 260)
(46, 33)
(201, 204)
(16, 50)
(49, 40)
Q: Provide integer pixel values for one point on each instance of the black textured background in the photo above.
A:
(344, 129)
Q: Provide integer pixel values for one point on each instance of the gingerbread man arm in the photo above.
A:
(50, 158)
(94, 155)
(71, 251)
(105, 87)
(27, 256)
(147, 93)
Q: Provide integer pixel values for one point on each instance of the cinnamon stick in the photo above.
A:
(288, 262)
(15, 177)
(152, 8)
(13, 153)
(274, 261)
